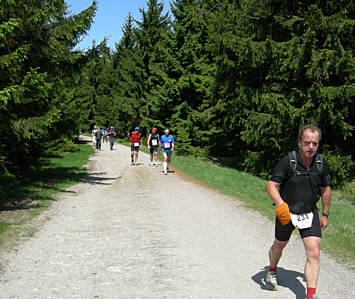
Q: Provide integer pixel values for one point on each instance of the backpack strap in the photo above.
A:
(293, 161)
(319, 164)
(293, 164)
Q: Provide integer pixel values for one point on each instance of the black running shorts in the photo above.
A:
(134, 148)
(283, 232)
(153, 149)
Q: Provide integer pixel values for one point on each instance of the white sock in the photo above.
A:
(165, 166)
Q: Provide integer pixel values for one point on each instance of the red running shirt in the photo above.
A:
(135, 138)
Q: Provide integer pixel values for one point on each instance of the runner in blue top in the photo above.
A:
(167, 145)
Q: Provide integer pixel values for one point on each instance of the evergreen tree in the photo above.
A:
(36, 42)
(128, 79)
(152, 36)
(292, 62)
(193, 114)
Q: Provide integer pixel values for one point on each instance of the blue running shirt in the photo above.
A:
(166, 141)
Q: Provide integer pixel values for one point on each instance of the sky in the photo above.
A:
(110, 18)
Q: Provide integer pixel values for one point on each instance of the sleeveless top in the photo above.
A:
(153, 137)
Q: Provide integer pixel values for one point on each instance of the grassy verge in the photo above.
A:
(338, 239)
(36, 192)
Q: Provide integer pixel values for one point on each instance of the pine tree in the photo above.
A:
(292, 62)
(152, 42)
(193, 117)
(36, 42)
(128, 78)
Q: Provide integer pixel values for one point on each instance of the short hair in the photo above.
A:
(309, 127)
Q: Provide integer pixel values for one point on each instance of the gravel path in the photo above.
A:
(131, 232)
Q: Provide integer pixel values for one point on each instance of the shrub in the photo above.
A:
(341, 167)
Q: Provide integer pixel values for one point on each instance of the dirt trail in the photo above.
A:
(131, 232)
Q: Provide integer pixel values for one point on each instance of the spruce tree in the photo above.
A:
(37, 58)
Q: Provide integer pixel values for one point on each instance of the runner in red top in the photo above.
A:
(136, 141)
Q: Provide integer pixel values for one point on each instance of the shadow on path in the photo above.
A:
(285, 278)
(98, 179)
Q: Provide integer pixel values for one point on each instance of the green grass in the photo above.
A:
(57, 174)
(41, 185)
(339, 237)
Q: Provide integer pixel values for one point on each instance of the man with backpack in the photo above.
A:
(297, 182)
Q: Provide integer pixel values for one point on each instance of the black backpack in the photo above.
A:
(293, 164)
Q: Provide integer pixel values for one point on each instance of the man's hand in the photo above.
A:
(323, 222)
(283, 213)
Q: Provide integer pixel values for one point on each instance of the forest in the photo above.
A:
(230, 78)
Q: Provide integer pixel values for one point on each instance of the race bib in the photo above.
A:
(154, 142)
(136, 144)
(302, 221)
(167, 144)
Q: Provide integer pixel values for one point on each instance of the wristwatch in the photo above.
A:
(325, 214)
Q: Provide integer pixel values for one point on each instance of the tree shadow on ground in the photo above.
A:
(97, 179)
(285, 278)
(26, 195)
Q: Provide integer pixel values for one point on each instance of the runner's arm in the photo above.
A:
(326, 195)
(271, 189)
(149, 140)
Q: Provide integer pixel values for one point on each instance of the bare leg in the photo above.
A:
(165, 163)
(311, 268)
(275, 252)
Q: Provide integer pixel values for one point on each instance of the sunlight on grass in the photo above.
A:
(42, 185)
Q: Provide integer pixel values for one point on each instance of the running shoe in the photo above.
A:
(151, 164)
(271, 280)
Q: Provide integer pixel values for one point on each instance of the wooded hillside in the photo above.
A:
(229, 78)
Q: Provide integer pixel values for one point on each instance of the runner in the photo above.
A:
(153, 145)
(167, 144)
(103, 135)
(111, 135)
(296, 184)
(93, 134)
(98, 135)
(136, 141)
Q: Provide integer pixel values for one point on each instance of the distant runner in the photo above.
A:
(136, 141)
(167, 144)
(153, 145)
(111, 135)
(98, 135)
(93, 134)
